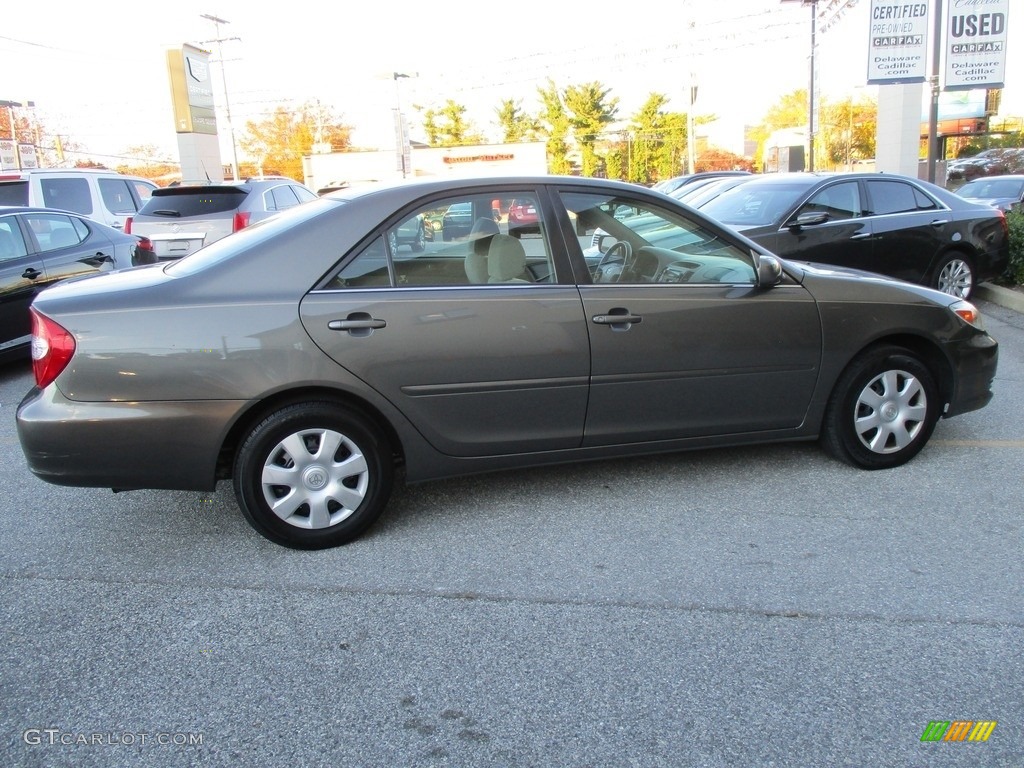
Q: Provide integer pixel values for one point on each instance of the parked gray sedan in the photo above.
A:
(308, 359)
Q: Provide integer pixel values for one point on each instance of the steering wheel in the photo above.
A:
(613, 263)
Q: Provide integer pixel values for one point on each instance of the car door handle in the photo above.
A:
(31, 273)
(860, 236)
(357, 324)
(619, 319)
(940, 222)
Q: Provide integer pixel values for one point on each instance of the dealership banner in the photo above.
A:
(898, 42)
(975, 43)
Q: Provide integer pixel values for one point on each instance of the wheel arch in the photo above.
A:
(930, 354)
(261, 409)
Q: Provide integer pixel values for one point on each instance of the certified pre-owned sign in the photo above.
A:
(976, 43)
(898, 42)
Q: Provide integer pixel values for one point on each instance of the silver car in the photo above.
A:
(308, 359)
(181, 219)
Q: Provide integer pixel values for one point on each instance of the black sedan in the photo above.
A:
(40, 246)
(884, 223)
(310, 382)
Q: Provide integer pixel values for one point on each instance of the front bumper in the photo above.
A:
(974, 361)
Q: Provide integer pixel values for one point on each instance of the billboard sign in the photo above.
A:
(191, 90)
(975, 43)
(898, 42)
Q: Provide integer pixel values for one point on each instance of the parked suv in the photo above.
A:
(102, 195)
(181, 219)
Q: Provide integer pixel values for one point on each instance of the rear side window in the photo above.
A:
(193, 201)
(279, 198)
(897, 197)
(14, 193)
(67, 195)
(117, 196)
(53, 231)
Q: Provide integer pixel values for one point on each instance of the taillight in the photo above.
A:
(128, 225)
(52, 348)
(241, 221)
(145, 243)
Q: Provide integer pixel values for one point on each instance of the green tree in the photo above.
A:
(516, 125)
(591, 112)
(276, 145)
(448, 126)
(554, 121)
(846, 132)
(658, 141)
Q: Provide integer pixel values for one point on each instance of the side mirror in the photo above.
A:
(809, 219)
(769, 270)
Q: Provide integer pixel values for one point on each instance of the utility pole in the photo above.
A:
(933, 82)
(224, 82)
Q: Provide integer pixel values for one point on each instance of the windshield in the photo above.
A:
(989, 188)
(754, 205)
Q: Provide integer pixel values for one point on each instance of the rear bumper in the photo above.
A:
(169, 445)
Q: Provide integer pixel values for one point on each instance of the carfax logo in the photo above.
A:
(958, 730)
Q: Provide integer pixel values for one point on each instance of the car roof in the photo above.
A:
(425, 186)
(37, 209)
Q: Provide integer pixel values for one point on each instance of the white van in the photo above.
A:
(104, 196)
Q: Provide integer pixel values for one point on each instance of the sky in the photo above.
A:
(97, 71)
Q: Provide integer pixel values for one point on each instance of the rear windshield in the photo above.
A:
(193, 201)
(14, 193)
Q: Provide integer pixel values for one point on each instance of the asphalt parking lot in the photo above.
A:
(762, 606)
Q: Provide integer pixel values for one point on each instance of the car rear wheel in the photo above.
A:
(955, 276)
(882, 411)
(313, 475)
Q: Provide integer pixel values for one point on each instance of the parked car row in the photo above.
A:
(316, 358)
(997, 161)
(40, 246)
(883, 223)
(183, 218)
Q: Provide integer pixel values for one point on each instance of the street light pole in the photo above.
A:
(224, 82)
(400, 136)
(810, 94)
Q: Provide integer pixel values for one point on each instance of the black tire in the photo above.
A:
(955, 275)
(888, 385)
(324, 501)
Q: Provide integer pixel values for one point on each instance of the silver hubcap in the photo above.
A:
(315, 478)
(955, 279)
(890, 412)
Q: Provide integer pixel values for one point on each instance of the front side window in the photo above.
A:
(12, 244)
(840, 201)
(636, 242)
(459, 241)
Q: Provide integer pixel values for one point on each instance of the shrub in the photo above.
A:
(1014, 274)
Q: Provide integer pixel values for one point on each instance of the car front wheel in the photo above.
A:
(955, 276)
(882, 411)
(313, 475)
